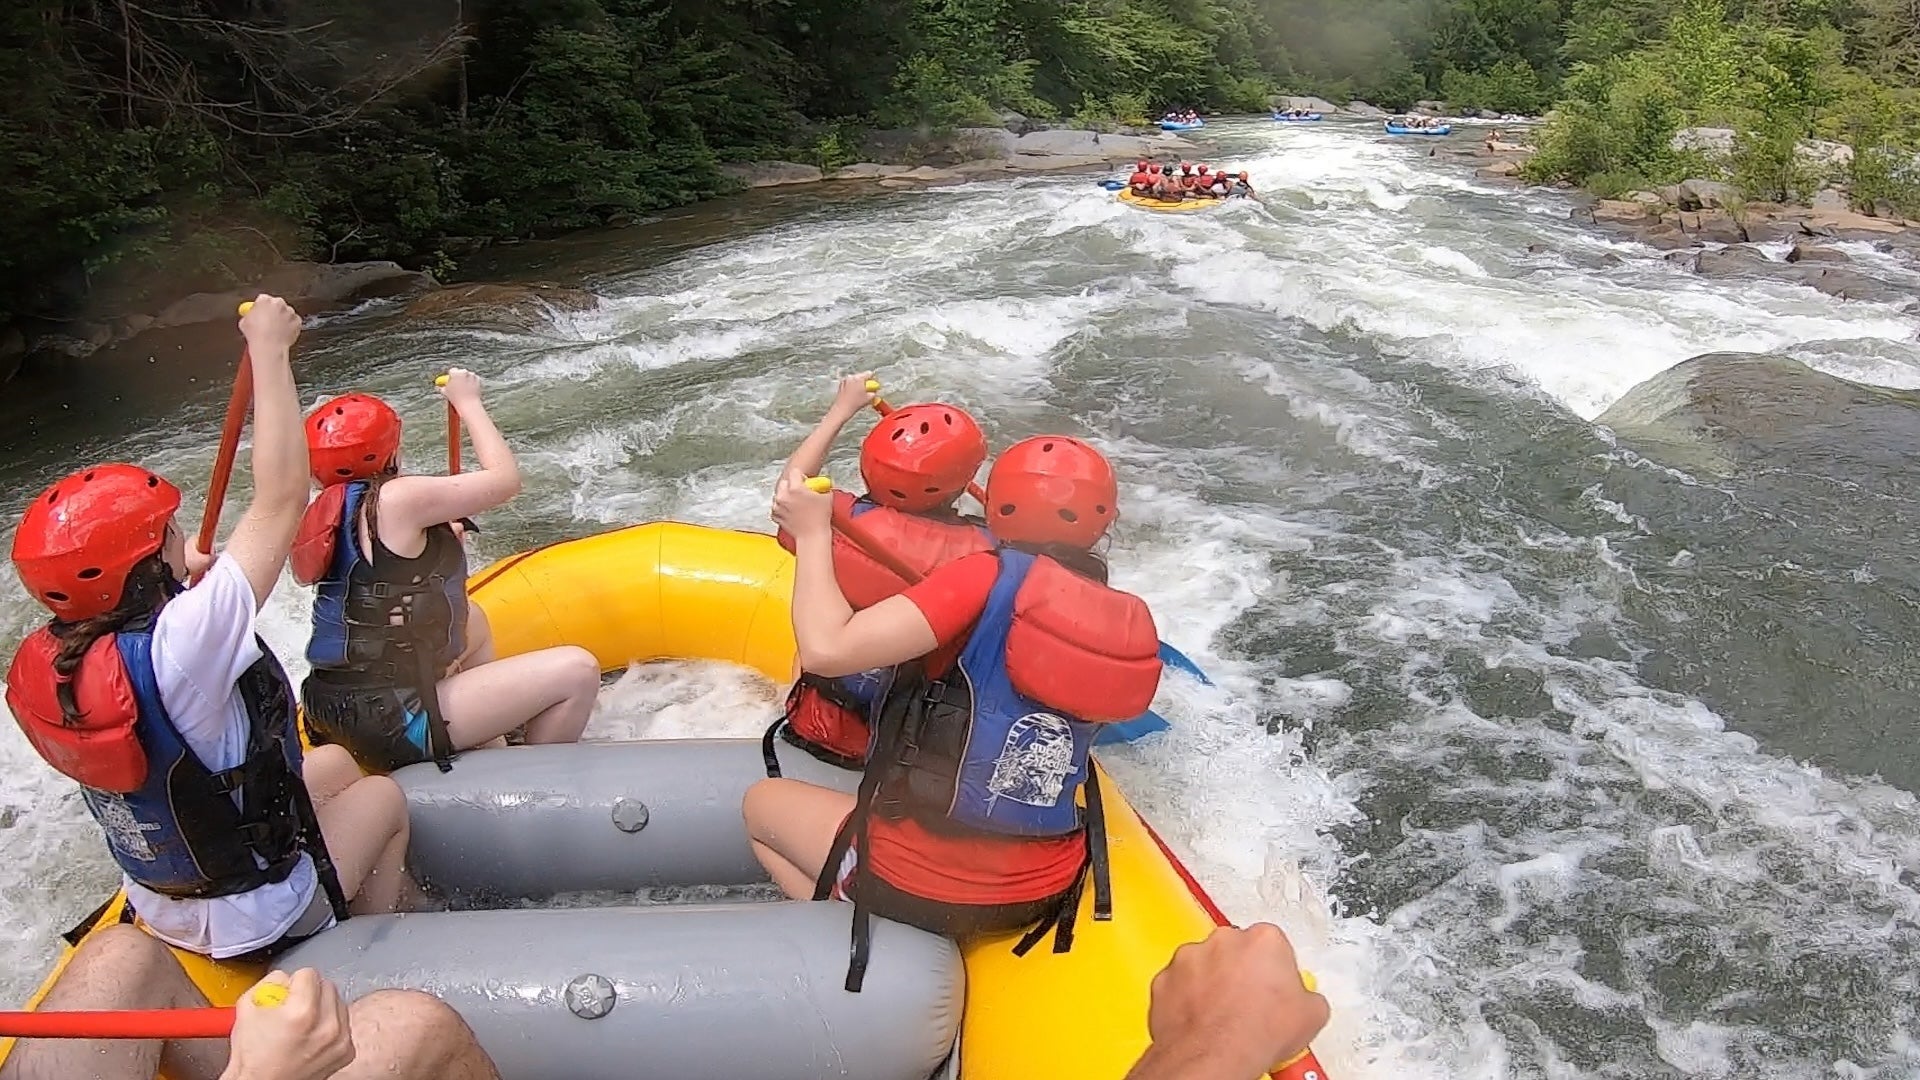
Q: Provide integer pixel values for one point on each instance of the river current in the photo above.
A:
(1458, 745)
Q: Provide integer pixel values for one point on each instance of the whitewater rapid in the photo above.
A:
(1360, 488)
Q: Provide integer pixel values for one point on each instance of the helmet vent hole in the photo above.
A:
(343, 472)
(1100, 509)
(1006, 509)
(153, 481)
(1069, 516)
(88, 478)
(52, 497)
(1046, 448)
(932, 490)
(339, 411)
(925, 428)
(88, 574)
(896, 434)
(898, 494)
(366, 457)
(948, 417)
(57, 597)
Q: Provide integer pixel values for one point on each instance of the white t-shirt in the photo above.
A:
(202, 642)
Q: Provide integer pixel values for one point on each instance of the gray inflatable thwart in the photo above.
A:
(531, 822)
(724, 992)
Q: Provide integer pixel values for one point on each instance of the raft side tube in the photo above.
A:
(740, 991)
(531, 822)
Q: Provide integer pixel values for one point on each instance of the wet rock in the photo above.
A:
(1837, 281)
(867, 170)
(759, 174)
(1666, 238)
(894, 183)
(1772, 230)
(1362, 108)
(1713, 411)
(1501, 168)
(1647, 198)
(1821, 221)
(1705, 194)
(1307, 104)
(201, 308)
(1712, 226)
(1732, 262)
(515, 306)
(308, 286)
(1851, 285)
(132, 326)
(1432, 108)
(1831, 199)
(1620, 212)
(1018, 123)
(1686, 260)
(1806, 252)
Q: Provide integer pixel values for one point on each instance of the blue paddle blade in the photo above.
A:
(1113, 185)
(1126, 731)
(1178, 661)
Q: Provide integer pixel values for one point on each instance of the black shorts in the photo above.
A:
(383, 727)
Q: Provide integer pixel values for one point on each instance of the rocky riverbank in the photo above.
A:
(1710, 228)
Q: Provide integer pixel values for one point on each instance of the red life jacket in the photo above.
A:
(319, 534)
(828, 717)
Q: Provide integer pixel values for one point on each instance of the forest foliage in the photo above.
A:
(151, 147)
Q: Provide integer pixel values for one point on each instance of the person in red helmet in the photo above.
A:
(396, 679)
(966, 819)
(1141, 182)
(916, 463)
(163, 703)
(1242, 188)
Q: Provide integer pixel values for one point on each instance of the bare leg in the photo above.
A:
(407, 1035)
(551, 691)
(119, 968)
(328, 771)
(479, 638)
(365, 827)
(791, 825)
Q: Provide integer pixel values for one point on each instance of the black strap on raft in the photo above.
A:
(439, 740)
(783, 727)
(1067, 913)
(85, 926)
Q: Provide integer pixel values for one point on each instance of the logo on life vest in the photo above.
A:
(1035, 762)
(124, 831)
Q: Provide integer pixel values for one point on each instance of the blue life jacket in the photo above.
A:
(388, 619)
(181, 833)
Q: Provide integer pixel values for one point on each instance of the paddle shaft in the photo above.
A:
(237, 404)
(208, 1023)
(453, 440)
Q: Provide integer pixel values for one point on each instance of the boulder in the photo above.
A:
(1646, 198)
(1706, 140)
(894, 183)
(1850, 285)
(1705, 195)
(201, 308)
(1712, 226)
(1805, 252)
(1771, 230)
(1831, 199)
(517, 306)
(1018, 123)
(1822, 221)
(1361, 108)
(1686, 260)
(759, 174)
(1731, 262)
(1501, 168)
(309, 285)
(1433, 108)
(1619, 212)
(1665, 238)
(1308, 104)
(1824, 154)
(867, 170)
(927, 173)
(1056, 162)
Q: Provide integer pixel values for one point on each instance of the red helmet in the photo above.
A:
(352, 438)
(921, 457)
(1155, 170)
(1202, 170)
(81, 538)
(1186, 166)
(1051, 489)
(1142, 166)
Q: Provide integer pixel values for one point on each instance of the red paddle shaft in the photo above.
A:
(453, 441)
(237, 405)
(210, 1023)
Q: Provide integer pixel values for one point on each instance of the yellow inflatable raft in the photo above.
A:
(1164, 206)
(668, 590)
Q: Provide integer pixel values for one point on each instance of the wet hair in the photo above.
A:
(1086, 563)
(148, 586)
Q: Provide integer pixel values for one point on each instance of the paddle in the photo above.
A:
(237, 404)
(204, 1023)
(453, 433)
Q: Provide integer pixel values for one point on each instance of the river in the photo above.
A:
(1454, 747)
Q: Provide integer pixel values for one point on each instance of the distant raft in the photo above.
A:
(1181, 125)
(1402, 129)
(1297, 118)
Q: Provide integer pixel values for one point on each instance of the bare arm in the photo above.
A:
(410, 505)
(847, 403)
(264, 535)
(833, 638)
